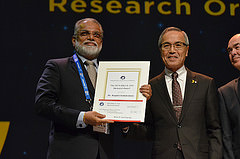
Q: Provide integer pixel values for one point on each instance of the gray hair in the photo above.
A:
(172, 29)
(77, 25)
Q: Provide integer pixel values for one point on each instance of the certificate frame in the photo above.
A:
(117, 92)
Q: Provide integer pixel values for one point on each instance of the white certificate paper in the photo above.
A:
(117, 90)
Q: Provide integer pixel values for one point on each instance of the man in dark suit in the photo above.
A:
(61, 97)
(229, 96)
(182, 114)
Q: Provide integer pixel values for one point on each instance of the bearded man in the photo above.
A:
(65, 93)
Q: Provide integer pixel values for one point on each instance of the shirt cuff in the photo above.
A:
(80, 123)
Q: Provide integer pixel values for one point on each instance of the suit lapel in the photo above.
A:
(237, 89)
(73, 65)
(164, 95)
(89, 83)
(190, 88)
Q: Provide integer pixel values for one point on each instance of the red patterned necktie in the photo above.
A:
(176, 95)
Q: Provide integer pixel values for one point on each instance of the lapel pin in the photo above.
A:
(193, 81)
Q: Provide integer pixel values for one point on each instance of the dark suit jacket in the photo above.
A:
(198, 130)
(60, 98)
(229, 97)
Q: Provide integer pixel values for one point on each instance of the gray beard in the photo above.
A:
(88, 51)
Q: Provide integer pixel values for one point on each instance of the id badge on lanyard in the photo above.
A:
(100, 128)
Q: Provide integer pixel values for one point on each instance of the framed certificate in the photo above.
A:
(117, 92)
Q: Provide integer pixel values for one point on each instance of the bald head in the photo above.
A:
(234, 51)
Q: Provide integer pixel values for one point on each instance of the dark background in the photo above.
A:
(31, 34)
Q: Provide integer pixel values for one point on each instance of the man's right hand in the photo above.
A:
(94, 118)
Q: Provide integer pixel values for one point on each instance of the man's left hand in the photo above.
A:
(146, 91)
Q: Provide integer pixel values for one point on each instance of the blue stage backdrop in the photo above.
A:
(34, 31)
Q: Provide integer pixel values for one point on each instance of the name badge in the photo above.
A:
(102, 128)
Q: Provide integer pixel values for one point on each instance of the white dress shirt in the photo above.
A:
(182, 75)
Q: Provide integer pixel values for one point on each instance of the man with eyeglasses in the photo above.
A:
(65, 93)
(229, 96)
(182, 114)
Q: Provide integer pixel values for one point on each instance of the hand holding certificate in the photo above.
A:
(117, 91)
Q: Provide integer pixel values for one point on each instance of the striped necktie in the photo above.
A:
(91, 72)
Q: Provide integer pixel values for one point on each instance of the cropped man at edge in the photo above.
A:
(182, 115)
(62, 97)
(229, 96)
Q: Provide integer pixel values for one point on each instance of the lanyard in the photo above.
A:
(83, 80)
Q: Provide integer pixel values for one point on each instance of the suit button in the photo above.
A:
(175, 145)
(179, 126)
